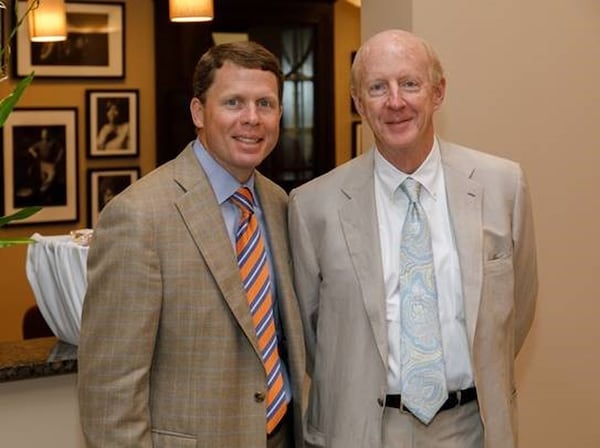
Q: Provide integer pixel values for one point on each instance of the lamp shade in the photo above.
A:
(48, 21)
(191, 10)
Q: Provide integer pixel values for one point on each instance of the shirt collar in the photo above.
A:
(429, 174)
(221, 181)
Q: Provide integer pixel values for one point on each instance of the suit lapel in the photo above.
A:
(199, 210)
(465, 201)
(359, 225)
(275, 217)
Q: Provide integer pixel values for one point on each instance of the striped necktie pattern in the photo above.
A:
(254, 270)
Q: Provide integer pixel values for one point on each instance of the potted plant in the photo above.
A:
(7, 104)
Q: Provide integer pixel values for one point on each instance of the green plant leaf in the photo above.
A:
(21, 214)
(8, 103)
(14, 241)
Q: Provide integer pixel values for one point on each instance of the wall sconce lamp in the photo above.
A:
(191, 10)
(48, 21)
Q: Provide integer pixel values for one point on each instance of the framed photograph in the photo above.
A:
(4, 52)
(353, 110)
(357, 147)
(112, 123)
(95, 45)
(105, 184)
(39, 155)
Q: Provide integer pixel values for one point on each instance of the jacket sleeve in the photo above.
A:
(525, 263)
(119, 325)
(306, 276)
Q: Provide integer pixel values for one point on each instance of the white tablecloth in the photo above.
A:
(56, 270)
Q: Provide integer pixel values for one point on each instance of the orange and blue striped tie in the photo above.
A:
(254, 269)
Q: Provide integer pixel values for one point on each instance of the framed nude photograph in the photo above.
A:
(105, 184)
(39, 163)
(95, 45)
(112, 123)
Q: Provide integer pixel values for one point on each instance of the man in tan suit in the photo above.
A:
(351, 275)
(169, 354)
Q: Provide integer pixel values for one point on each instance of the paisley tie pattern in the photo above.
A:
(421, 358)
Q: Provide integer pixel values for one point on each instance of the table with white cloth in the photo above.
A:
(56, 270)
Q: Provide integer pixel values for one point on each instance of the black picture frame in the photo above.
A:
(95, 45)
(3, 41)
(357, 147)
(105, 183)
(112, 123)
(39, 164)
(353, 109)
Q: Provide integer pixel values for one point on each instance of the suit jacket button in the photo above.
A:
(259, 397)
(380, 402)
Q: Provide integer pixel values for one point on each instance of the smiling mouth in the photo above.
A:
(395, 121)
(249, 140)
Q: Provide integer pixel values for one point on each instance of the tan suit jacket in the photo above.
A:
(168, 355)
(339, 282)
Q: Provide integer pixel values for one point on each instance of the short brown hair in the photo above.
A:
(246, 54)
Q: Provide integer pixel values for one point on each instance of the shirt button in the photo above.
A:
(259, 397)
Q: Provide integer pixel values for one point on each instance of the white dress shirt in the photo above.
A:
(392, 205)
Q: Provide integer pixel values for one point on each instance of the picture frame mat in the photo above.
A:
(116, 45)
(92, 97)
(94, 175)
(43, 117)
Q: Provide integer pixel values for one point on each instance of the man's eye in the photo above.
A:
(378, 89)
(410, 85)
(265, 103)
(232, 102)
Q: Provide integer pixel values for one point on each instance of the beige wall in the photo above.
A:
(523, 83)
(15, 295)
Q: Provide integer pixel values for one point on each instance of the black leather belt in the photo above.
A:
(454, 399)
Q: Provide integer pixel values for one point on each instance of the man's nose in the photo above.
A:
(250, 114)
(395, 99)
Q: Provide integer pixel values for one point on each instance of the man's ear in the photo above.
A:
(197, 112)
(439, 93)
(357, 103)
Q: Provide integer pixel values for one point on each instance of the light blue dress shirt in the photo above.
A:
(224, 185)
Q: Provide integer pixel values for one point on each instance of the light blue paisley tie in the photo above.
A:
(421, 359)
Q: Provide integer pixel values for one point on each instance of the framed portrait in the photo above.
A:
(357, 147)
(112, 123)
(3, 50)
(95, 45)
(39, 163)
(105, 184)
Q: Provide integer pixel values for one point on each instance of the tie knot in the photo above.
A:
(243, 199)
(411, 188)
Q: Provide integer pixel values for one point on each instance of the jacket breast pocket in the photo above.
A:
(171, 439)
(500, 265)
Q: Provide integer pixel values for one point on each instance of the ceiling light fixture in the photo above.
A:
(191, 10)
